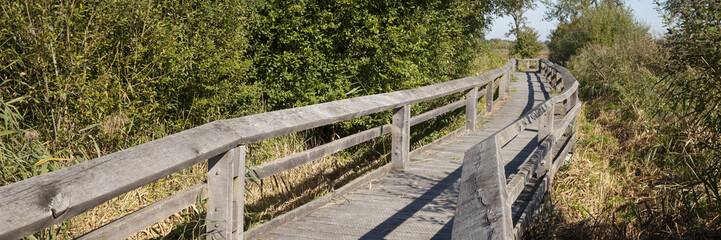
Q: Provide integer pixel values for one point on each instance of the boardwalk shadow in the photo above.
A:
(383, 229)
(531, 100)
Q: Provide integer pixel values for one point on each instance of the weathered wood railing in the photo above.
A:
(529, 64)
(37, 203)
(486, 196)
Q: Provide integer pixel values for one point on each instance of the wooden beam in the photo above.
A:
(502, 86)
(400, 141)
(489, 96)
(471, 108)
(140, 219)
(415, 120)
(482, 211)
(288, 162)
(238, 207)
(219, 214)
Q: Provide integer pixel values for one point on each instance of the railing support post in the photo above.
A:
(483, 211)
(572, 100)
(509, 78)
(528, 65)
(400, 142)
(489, 96)
(502, 85)
(224, 204)
(472, 108)
(545, 124)
(239, 192)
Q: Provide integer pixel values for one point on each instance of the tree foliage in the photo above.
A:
(566, 10)
(515, 9)
(526, 44)
(136, 70)
(603, 24)
(694, 68)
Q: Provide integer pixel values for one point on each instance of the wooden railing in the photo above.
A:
(37, 203)
(486, 196)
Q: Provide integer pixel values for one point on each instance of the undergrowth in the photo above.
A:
(633, 175)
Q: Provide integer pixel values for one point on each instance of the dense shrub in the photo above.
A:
(98, 76)
(602, 24)
(526, 44)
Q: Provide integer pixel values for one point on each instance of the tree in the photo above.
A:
(602, 24)
(526, 45)
(566, 10)
(693, 72)
(515, 9)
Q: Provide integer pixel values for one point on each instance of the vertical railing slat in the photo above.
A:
(238, 191)
(400, 142)
(219, 216)
(224, 216)
(472, 108)
(489, 96)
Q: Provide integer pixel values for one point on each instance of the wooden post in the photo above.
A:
(545, 129)
(509, 78)
(502, 85)
(489, 96)
(528, 65)
(483, 211)
(238, 191)
(545, 123)
(471, 108)
(400, 142)
(219, 216)
(557, 79)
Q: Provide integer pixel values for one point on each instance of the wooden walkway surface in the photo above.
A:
(420, 202)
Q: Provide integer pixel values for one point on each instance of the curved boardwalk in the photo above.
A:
(420, 202)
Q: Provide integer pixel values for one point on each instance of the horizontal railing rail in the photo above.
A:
(37, 203)
(484, 204)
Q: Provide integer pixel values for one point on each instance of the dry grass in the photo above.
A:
(613, 188)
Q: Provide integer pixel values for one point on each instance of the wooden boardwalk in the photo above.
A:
(420, 202)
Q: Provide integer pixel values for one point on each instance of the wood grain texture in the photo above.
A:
(400, 141)
(490, 87)
(276, 166)
(238, 158)
(140, 219)
(483, 211)
(315, 204)
(471, 108)
(219, 214)
(415, 120)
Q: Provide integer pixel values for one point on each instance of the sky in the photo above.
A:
(644, 10)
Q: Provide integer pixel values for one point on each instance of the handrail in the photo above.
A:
(37, 203)
(485, 198)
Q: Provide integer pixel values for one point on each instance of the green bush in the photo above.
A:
(105, 75)
(602, 24)
(526, 44)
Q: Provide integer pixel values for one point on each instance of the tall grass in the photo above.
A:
(634, 175)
